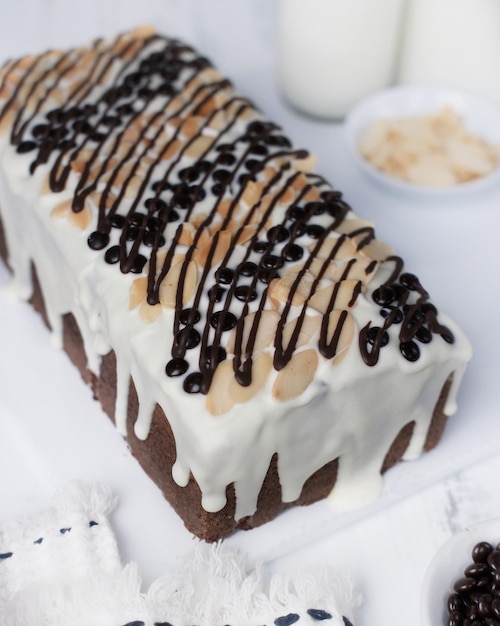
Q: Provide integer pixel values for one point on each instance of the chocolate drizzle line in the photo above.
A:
(140, 125)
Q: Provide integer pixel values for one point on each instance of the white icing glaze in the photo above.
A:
(350, 411)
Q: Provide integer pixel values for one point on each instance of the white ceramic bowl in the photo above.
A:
(448, 566)
(480, 117)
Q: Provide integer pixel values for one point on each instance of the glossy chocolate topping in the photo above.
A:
(165, 150)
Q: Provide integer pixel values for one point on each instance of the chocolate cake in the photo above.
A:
(249, 335)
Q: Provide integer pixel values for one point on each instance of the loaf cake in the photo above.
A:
(247, 332)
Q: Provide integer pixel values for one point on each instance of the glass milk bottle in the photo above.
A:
(332, 53)
(453, 43)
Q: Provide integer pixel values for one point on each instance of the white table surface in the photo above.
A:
(51, 431)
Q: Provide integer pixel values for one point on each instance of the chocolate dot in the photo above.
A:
(271, 261)
(117, 220)
(410, 281)
(265, 275)
(155, 204)
(227, 159)
(296, 213)
(278, 140)
(260, 246)
(25, 146)
(292, 252)
(376, 335)
(222, 176)
(218, 189)
(224, 275)
(40, 130)
(189, 316)
(132, 233)
(98, 240)
(247, 268)
(189, 174)
(245, 293)
(192, 383)
(216, 293)
(112, 255)
(278, 234)
(424, 335)
(214, 355)
(409, 350)
(315, 208)
(176, 367)
(315, 231)
(188, 338)
(149, 239)
(397, 314)
(428, 308)
(259, 149)
(138, 264)
(257, 128)
(224, 320)
(384, 295)
(253, 165)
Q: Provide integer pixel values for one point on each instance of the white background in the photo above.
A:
(51, 431)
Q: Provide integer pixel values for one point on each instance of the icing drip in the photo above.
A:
(219, 268)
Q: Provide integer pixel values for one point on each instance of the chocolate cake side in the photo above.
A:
(157, 454)
(247, 332)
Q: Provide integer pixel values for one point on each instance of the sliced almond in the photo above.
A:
(261, 367)
(149, 313)
(137, 292)
(191, 126)
(311, 195)
(252, 193)
(81, 219)
(287, 196)
(266, 331)
(215, 250)
(296, 376)
(133, 187)
(334, 248)
(197, 219)
(280, 290)
(187, 234)
(306, 164)
(171, 150)
(377, 250)
(170, 285)
(269, 173)
(61, 210)
(246, 233)
(224, 206)
(309, 326)
(352, 225)
(219, 398)
(143, 32)
(363, 269)
(346, 335)
(299, 182)
(329, 270)
(199, 146)
(344, 293)
(217, 121)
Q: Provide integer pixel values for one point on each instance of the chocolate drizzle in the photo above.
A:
(162, 146)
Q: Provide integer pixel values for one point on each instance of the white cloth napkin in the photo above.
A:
(63, 567)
